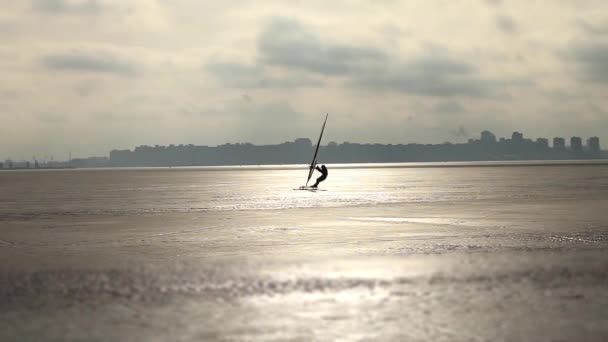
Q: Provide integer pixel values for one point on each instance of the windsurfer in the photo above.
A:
(324, 172)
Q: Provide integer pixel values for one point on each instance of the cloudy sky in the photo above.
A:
(89, 76)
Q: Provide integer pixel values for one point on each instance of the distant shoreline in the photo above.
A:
(404, 165)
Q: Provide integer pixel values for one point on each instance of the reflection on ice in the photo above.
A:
(425, 220)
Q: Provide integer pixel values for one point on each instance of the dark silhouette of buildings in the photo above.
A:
(576, 144)
(488, 137)
(543, 142)
(52, 164)
(559, 143)
(88, 162)
(517, 137)
(593, 144)
(300, 151)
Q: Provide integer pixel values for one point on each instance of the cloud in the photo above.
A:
(52, 118)
(7, 26)
(245, 106)
(122, 117)
(89, 63)
(593, 28)
(429, 76)
(449, 107)
(85, 88)
(289, 44)
(493, 2)
(262, 119)
(9, 94)
(507, 24)
(250, 76)
(591, 59)
(66, 6)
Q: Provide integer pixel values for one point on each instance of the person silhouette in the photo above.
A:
(324, 173)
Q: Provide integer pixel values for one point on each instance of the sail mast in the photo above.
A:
(314, 157)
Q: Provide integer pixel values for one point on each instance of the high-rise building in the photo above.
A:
(303, 142)
(593, 144)
(488, 137)
(576, 144)
(559, 143)
(543, 142)
(516, 136)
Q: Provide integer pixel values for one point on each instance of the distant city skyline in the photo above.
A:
(487, 147)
